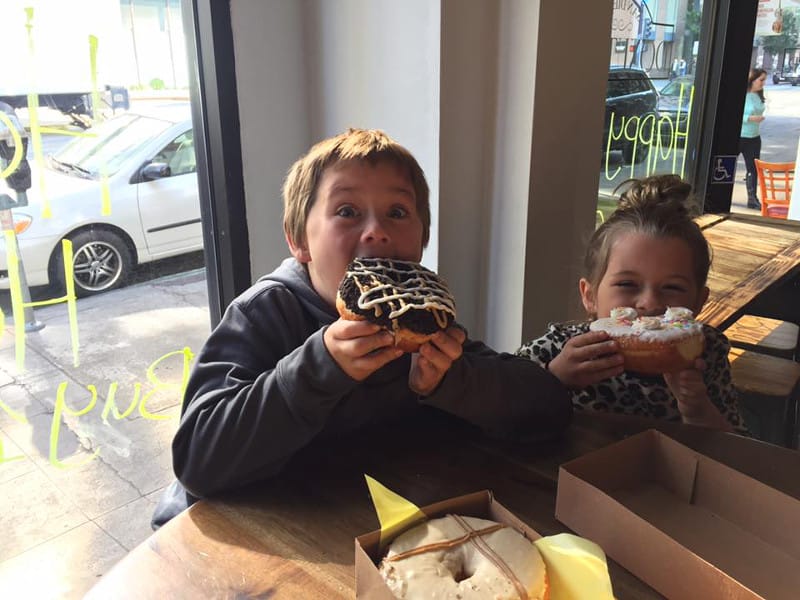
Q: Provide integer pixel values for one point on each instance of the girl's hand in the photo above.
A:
(694, 404)
(429, 365)
(586, 359)
(359, 347)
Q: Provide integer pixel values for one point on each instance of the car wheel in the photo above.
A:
(628, 155)
(775, 79)
(101, 261)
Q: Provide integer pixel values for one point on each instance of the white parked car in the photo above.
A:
(148, 161)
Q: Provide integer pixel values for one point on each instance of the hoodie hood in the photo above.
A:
(294, 276)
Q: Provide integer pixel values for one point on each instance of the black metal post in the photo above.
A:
(7, 224)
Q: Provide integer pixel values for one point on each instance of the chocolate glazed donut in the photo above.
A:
(403, 297)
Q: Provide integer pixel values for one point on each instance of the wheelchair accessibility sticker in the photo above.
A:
(723, 169)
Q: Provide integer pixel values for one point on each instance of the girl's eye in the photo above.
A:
(345, 211)
(675, 289)
(625, 284)
(398, 212)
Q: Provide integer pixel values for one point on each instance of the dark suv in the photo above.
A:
(630, 98)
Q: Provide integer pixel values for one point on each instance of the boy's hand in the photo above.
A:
(586, 359)
(694, 404)
(359, 347)
(429, 365)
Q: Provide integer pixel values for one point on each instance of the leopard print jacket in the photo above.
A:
(641, 395)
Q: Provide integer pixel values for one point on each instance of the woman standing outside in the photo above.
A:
(750, 137)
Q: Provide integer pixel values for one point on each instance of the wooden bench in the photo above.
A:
(762, 334)
(769, 388)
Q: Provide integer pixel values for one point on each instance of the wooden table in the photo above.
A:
(293, 537)
(751, 256)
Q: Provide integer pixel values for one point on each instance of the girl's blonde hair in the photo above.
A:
(658, 206)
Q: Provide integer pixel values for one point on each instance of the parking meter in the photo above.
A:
(20, 179)
(7, 203)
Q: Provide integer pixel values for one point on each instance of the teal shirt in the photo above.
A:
(753, 105)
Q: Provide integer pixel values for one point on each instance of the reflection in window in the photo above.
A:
(650, 92)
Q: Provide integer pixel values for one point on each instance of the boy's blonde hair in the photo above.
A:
(658, 206)
(360, 145)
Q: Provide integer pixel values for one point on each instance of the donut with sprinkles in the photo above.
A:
(652, 345)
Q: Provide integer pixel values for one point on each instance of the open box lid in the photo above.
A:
(682, 522)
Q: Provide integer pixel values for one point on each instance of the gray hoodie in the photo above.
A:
(264, 387)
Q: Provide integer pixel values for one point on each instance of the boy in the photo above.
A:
(282, 370)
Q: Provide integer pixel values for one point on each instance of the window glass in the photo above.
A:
(647, 131)
(182, 159)
(109, 144)
(103, 298)
(776, 55)
(650, 94)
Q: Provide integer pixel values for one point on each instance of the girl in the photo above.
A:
(750, 136)
(648, 255)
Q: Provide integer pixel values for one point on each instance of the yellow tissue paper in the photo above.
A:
(395, 513)
(576, 567)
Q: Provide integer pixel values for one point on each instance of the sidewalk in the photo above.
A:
(80, 474)
(739, 195)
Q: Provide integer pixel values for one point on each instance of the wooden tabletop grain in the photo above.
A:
(751, 256)
(293, 537)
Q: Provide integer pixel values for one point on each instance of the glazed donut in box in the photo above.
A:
(465, 558)
(403, 297)
(656, 344)
(470, 548)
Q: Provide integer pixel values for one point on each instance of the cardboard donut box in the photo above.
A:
(370, 584)
(687, 525)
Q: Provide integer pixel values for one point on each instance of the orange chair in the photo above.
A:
(770, 336)
(775, 182)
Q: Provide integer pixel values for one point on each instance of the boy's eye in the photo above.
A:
(625, 284)
(398, 212)
(675, 288)
(345, 211)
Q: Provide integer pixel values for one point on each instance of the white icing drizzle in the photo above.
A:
(399, 286)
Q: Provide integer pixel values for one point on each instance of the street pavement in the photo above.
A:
(85, 432)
